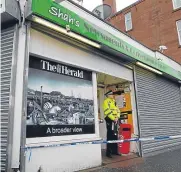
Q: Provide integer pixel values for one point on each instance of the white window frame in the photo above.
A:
(175, 4)
(128, 18)
(179, 31)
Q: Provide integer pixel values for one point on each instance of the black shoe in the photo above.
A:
(109, 155)
(117, 154)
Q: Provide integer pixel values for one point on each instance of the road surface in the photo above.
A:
(166, 162)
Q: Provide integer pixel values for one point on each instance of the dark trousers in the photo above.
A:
(111, 148)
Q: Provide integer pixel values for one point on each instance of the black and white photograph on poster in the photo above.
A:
(59, 100)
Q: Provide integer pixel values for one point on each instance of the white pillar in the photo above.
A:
(94, 79)
(18, 106)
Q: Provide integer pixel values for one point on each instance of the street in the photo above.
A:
(166, 162)
(88, 85)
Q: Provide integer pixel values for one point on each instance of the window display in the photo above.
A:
(59, 100)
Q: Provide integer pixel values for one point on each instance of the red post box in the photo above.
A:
(124, 133)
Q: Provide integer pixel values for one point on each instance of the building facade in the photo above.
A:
(156, 24)
(56, 67)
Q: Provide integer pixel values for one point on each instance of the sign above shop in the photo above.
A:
(58, 14)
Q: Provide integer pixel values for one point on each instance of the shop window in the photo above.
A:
(176, 4)
(59, 100)
(178, 23)
(128, 21)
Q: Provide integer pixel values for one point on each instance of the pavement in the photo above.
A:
(166, 162)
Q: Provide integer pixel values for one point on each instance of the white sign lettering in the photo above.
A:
(61, 69)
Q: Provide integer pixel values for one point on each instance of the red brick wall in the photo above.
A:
(154, 24)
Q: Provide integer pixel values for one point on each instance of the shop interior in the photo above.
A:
(124, 101)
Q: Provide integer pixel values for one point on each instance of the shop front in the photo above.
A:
(64, 66)
(62, 103)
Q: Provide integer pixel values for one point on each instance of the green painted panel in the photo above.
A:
(58, 14)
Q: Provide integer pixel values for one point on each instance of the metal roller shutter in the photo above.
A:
(7, 39)
(159, 111)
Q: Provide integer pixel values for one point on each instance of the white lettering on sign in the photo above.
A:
(48, 130)
(61, 69)
(66, 17)
(77, 129)
(63, 130)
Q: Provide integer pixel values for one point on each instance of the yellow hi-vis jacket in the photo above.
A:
(110, 109)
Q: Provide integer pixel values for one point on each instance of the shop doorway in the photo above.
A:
(126, 104)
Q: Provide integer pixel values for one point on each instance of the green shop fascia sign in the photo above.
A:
(54, 12)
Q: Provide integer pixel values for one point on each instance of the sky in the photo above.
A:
(91, 4)
(56, 82)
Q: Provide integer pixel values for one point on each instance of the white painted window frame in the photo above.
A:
(175, 4)
(128, 18)
(179, 31)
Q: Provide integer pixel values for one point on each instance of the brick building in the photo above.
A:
(155, 23)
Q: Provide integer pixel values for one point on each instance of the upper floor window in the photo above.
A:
(179, 30)
(128, 21)
(176, 4)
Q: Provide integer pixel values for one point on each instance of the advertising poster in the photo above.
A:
(59, 100)
(120, 101)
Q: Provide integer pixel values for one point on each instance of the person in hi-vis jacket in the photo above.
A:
(111, 115)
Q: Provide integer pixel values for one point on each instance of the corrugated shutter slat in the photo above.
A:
(159, 106)
(7, 38)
